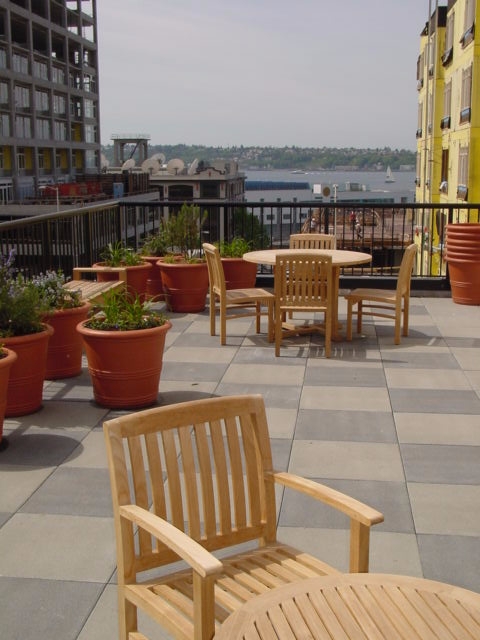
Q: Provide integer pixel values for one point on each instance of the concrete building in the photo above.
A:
(49, 95)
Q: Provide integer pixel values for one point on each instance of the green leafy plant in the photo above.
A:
(155, 244)
(53, 293)
(116, 254)
(183, 230)
(124, 312)
(235, 248)
(21, 304)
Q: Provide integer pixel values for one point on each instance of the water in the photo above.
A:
(402, 190)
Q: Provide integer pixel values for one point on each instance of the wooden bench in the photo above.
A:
(93, 290)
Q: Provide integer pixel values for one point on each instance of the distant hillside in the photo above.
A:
(305, 158)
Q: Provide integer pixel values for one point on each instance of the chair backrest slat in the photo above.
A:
(215, 269)
(312, 241)
(405, 271)
(303, 279)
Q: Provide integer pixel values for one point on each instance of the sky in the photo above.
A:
(305, 73)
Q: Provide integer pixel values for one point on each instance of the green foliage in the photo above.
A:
(183, 230)
(21, 305)
(248, 226)
(234, 249)
(124, 312)
(53, 293)
(118, 255)
(156, 244)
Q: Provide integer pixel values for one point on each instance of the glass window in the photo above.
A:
(3, 59)
(3, 93)
(59, 104)
(40, 69)
(41, 100)
(4, 125)
(466, 95)
(43, 128)
(448, 49)
(60, 130)
(20, 63)
(462, 190)
(22, 97)
(90, 108)
(58, 75)
(23, 127)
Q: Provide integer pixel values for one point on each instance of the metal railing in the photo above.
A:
(77, 237)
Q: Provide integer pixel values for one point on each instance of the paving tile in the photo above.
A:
(407, 378)
(467, 358)
(418, 359)
(360, 426)
(46, 608)
(58, 547)
(192, 371)
(40, 448)
(435, 401)
(445, 508)
(370, 375)
(18, 484)
(281, 397)
(185, 354)
(348, 398)
(437, 428)
(275, 374)
(460, 560)
(441, 464)
(348, 460)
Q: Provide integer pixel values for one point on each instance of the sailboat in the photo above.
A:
(389, 177)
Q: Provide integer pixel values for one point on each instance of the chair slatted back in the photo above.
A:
(215, 269)
(312, 241)
(303, 281)
(201, 465)
(405, 271)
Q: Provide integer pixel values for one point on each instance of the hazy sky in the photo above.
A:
(309, 73)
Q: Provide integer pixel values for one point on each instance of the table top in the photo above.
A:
(359, 607)
(340, 257)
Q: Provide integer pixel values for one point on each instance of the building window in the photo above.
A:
(462, 189)
(448, 50)
(91, 159)
(22, 98)
(465, 108)
(21, 164)
(468, 23)
(20, 63)
(3, 93)
(59, 104)
(419, 120)
(447, 105)
(3, 59)
(23, 127)
(418, 170)
(76, 107)
(58, 159)
(4, 125)
(90, 133)
(89, 83)
(59, 130)
(41, 101)
(40, 69)
(430, 113)
(90, 108)
(444, 174)
(420, 70)
(41, 159)
(58, 75)
(42, 128)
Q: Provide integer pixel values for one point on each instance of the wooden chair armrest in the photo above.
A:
(122, 272)
(199, 559)
(362, 517)
(346, 504)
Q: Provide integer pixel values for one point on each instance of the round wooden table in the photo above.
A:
(362, 606)
(340, 258)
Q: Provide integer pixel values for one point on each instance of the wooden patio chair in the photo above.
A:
(313, 241)
(385, 303)
(93, 290)
(243, 302)
(194, 478)
(304, 283)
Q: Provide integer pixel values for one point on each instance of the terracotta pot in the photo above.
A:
(185, 286)
(125, 366)
(239, 274)
(6, 364)
(64, 355)
(25, 387)
(463, 258)
(137, 276)
(154, 288)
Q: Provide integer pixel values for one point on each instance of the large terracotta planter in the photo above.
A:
(25, 386)
(125, 366)
(185, 286)
(154, 288)
(239, 274)
(6, 364)
(64, 355)
(137, 276)
(463, 258)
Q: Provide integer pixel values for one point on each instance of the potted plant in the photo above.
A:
(7, 358)
(185, 280)
(64, 309)
(155, 247)
(118, 255)
(124, 340)
(239, 274)
(23, 331)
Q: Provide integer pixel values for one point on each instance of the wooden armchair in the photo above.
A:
(385, 303)
(312, 241)
(194, 478)
(303, 282)
(93, 290)
(243, 302)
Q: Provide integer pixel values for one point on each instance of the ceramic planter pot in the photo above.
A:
(185, 286)
(463, 258)
(25, 386)
(125, 366)
(6, 364)
(65, 347)
(239, 274)
(137, 276)
(154, 288)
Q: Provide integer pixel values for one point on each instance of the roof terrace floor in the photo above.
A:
(395, 426)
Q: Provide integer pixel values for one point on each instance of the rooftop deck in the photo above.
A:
(395, 426)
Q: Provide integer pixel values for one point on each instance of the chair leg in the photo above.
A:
(398, 321)
(349, 319)
(278, 332)
(127, 617)
(406, 311)
(359, 316)
(271, 323)
(258, 314)
(212, 313)
(223, 323)
(328, 333)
